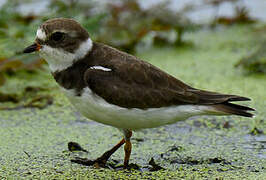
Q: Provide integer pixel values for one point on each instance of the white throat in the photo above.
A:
(59, 59)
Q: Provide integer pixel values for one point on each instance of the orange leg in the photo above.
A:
(101, 161)
(127, 147)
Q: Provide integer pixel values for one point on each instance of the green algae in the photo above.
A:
(33, 142)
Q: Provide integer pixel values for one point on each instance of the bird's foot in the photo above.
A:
(97, 163)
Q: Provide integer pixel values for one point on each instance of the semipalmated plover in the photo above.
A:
(118, 89)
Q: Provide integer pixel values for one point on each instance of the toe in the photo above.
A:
(83, 161)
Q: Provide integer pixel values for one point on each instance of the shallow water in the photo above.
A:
(33, 142)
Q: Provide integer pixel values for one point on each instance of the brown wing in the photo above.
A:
(133, 83)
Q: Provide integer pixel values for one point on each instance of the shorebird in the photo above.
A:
(118, 89)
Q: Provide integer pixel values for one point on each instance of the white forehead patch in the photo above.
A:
(41, 34)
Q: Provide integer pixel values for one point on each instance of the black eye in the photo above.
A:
(57, 36)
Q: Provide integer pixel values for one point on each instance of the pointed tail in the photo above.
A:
(229, 108)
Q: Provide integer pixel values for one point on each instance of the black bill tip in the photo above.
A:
(32, 48)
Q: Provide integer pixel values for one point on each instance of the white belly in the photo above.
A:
(95, 108)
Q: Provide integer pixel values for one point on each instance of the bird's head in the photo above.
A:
(61, 42)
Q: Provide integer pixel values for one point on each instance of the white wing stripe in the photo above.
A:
(100, 68)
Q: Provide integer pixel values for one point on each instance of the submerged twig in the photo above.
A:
(27, 154)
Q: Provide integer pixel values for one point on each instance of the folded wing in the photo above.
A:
(132, 83)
